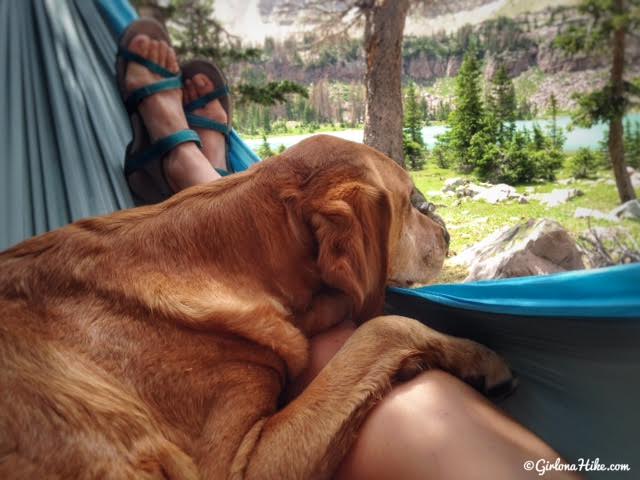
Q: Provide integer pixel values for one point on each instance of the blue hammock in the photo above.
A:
(573, 339)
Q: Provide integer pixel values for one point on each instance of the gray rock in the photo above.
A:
(451, 184)
(469, 190)
(630, 209)
(535, 247)
(498, 194)
(591, 213)
(558, 196)
(635, 179)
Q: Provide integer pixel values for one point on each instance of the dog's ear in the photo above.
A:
(351, 224)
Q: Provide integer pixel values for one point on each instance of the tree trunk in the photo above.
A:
(384, 28)
(616, 133)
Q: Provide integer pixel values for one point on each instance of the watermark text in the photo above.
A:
(542, 466)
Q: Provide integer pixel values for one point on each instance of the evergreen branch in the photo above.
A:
(225, 55)
(270, 94)
(600, 106)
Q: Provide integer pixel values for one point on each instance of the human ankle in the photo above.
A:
(163, 115)
(186, 166)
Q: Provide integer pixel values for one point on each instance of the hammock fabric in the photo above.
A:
(573, 339)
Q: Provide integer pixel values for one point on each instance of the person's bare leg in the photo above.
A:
(213, 142)
(437, 427)
(162, 113)
(432, 427)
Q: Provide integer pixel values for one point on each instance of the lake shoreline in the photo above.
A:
(576, 137)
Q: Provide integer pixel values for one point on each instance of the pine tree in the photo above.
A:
(632, 143)
(413, 119)
(607, 29)
(266, 119)
(556, 133)
(413, 143)
(583, 164)
(467, 118)
(308, 115)
(424, 111)
(539, 140)
(501, 97)
(264, 150)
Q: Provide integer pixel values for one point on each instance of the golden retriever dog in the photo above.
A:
(157, 342)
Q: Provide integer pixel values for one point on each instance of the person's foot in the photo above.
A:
(213, 142)
(163, 115)
(162, 112)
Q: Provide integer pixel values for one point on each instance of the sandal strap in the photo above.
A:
(197, 121)
(154, 67)
(135, 97)
(159, 148)
(205, 99)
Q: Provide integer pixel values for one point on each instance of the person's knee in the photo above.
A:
(420, 419)
(434, 398)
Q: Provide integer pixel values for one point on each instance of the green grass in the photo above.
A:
(470, 221)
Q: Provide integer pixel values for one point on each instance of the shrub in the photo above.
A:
(414, 153)
(518, 165)
(279, 126)
(547, 162)
(440, 155)
(264, 150)
(583, 164)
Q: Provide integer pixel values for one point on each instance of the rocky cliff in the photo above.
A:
(522, 43)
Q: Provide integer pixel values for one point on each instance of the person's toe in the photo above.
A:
(140, 45)
(154, 51)
(163, 48)
(190, 91)
(172, 61)
(203, 84)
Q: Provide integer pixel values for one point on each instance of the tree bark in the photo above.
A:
(384, 29)
(616, 132)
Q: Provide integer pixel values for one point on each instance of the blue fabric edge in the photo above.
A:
(612, 292)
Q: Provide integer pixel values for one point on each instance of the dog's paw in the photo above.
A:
(488, 373)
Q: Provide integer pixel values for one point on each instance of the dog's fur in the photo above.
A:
(156, 342)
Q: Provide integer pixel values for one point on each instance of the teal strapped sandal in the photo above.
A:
(142, 156)
(221, 93)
